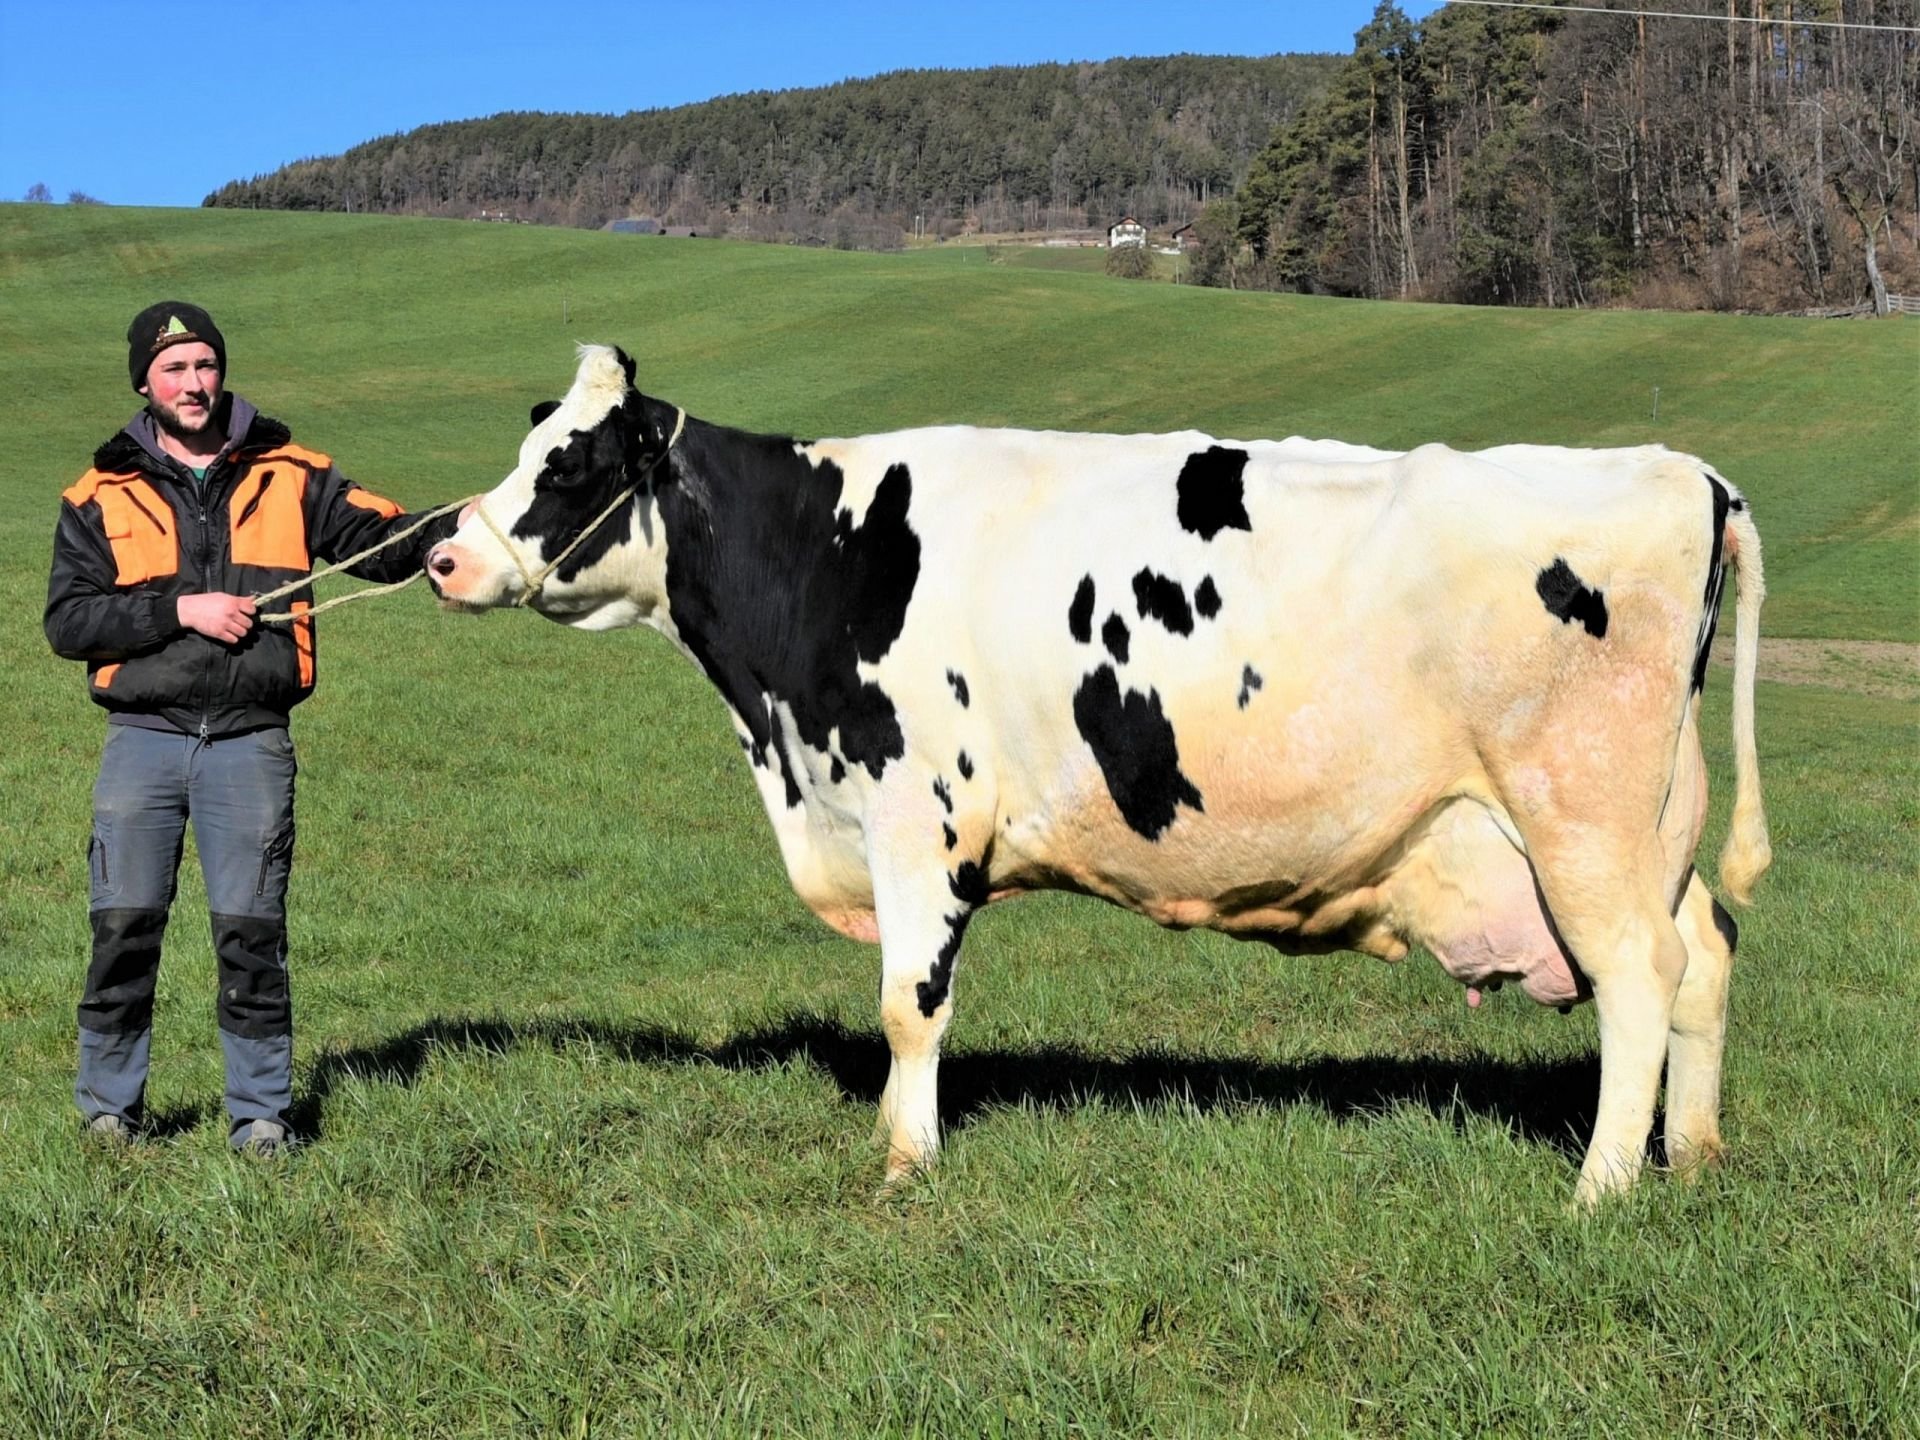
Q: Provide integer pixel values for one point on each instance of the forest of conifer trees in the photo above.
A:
(1762, 156)
(1524, 157)
(862, 163)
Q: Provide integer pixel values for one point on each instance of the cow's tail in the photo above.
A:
(1748, 851)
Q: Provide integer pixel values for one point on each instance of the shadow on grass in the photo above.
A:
(170, 1122)
(1545, 1102)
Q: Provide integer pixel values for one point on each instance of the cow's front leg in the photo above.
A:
(924, 893)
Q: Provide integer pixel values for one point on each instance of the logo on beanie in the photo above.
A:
(172, 333)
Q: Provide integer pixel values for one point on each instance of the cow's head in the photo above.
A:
(583, 454)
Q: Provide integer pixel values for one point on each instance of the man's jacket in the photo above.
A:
(137, 532)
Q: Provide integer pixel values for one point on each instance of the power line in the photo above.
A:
(1689, 15)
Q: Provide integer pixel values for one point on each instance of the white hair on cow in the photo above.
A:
(600, 384)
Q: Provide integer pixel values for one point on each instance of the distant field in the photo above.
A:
(592, 1090)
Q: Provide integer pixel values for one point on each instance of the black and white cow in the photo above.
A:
(1306, 693)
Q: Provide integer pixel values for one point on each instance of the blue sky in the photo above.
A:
(153, 103)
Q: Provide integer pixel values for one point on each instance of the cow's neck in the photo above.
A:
(781, 596)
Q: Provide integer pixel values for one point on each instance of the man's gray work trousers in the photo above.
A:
(238, 792)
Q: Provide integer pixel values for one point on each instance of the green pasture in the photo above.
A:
(591, 1092)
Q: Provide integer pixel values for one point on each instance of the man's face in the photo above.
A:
(183, 387)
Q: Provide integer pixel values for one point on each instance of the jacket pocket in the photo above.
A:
(135, 520)
(268, 519)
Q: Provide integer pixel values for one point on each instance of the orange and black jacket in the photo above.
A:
(137, 533)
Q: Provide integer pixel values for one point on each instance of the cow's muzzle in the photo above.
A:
(452, 574)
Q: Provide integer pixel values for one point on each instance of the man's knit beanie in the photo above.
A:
(171, 322)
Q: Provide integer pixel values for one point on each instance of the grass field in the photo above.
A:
(591, 1091)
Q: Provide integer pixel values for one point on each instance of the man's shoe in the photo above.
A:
(262, 1138)
(108, 1130)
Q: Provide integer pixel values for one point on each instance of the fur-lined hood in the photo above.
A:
(137, 445)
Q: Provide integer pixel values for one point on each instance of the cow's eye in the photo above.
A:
(563, 471)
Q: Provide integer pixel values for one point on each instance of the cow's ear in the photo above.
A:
(542, 410)
(626, 362)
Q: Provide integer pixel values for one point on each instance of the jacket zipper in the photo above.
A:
(201, 491)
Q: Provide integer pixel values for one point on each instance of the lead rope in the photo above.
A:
(352, 560)
(534, 582)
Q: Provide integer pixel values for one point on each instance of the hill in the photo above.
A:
(853, 164)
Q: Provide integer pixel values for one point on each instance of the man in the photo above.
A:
(198, 504)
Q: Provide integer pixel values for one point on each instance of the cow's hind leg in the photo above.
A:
(923, 898)
(1608, 907)
(1699, 1029)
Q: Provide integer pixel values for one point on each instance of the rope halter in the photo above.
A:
(535, 581)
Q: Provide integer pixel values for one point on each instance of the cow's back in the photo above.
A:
(1203, 667)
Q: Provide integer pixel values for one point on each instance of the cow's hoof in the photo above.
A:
(903, 1169)
(1593, 1192)
(1688, 1160)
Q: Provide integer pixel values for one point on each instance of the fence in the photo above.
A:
(1903, 304)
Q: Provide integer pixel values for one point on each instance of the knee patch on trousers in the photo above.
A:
(254, 1002)
(126, 961)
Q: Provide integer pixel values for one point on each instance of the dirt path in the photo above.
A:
(1889, 668)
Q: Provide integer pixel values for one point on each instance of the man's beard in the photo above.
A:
(168, 419)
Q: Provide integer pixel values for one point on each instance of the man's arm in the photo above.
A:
(346, 519)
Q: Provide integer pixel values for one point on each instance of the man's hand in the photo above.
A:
(225, 618)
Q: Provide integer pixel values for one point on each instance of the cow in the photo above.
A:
(1316, 695)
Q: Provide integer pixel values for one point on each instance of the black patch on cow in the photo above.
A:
(1723, 922)
(1116, 636)
(541, 411)
(969, 887)
(1080, 613)
(775, 589)
(965, 762)
(1716, 587)
(1133, 741)
(1568, 599)
(1250, 681)
(1206, 600)
(969, 883)
(1737, 504)
(943, 795)
(932, 991)
(959, 684)
(779, 747)
(1161, 599)
(1708, 624)
(1212, 497)
(946, 830)
(578, 479)
(837, 772)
